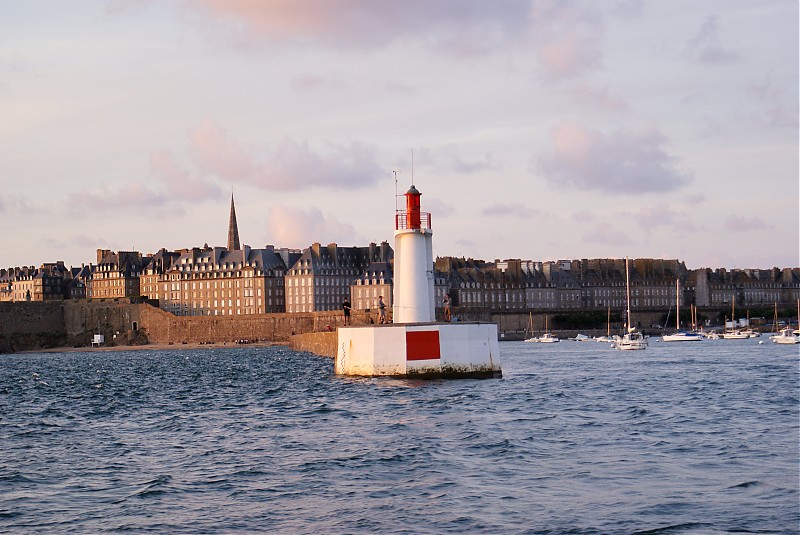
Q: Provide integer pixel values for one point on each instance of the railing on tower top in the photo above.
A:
(401, 220)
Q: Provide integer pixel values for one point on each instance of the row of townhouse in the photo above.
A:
(218, 281)
(600, 283)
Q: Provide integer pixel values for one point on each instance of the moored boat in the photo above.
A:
(786, 336)
(632, 339)
(682, 336)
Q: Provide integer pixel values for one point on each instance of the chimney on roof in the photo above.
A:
(233, 230)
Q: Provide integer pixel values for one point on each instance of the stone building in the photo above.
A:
(213, 281)
(374, 282)
(48, 282)
(79, 282)
(116, 275)
(720, 287)
(322, 277)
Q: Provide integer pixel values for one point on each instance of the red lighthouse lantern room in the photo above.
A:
(413, 213)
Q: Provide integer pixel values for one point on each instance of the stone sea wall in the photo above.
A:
(322, 343)
(31, 326)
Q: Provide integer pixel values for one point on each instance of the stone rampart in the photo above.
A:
(31, 325)
(322, 343)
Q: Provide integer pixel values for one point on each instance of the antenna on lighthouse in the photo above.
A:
(396, 195)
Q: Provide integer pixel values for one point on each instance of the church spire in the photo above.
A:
(233, 230)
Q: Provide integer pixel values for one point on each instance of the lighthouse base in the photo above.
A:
(419, 350)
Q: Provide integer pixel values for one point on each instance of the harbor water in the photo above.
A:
(691, 437)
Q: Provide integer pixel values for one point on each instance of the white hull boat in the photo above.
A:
(682, 336)
(679, 335)
(631, 339)
(786, 336)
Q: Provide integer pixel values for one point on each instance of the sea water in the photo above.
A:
(690, 437)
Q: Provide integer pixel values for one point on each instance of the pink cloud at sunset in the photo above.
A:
(299, 227)
(366, 23)
(107, 199)
(178, 182)
(618, 163)
(289, 166)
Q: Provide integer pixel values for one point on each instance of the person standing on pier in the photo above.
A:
(346, 309)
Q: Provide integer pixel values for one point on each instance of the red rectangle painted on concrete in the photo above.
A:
(422, 345)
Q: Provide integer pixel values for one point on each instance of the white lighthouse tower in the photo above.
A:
(415, 345)
(413, 263)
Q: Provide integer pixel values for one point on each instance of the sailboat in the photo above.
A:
(632, 339)
(607, 337)
(532, 338)
(547, 337)
(734, 334)
(680, 335)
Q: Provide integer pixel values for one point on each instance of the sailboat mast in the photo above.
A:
(628, 293)
(677, 305)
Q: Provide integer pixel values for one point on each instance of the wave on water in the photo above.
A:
(573, 439)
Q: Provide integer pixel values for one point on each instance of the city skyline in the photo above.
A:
(539, 130)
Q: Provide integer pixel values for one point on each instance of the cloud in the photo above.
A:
(130, 195)
(448, 159)
(180, 184)
(584, 216)
(622, 163)
(289, 166)
(309, 81)
(438, 208)
(704, 47)
(19, 205)
(649, 218)
(214, 153)
(594, 99)
(462, 27)
(605, 235)
(298, 227)
(567, 37)
(295, 166)
(739, 223)
(512, 209)
(776, 108)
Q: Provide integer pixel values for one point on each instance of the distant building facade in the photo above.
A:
(213, 281)
(322, 277)
(116, 275)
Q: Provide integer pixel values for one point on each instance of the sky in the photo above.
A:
(539, 130)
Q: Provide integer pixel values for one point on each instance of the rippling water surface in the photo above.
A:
(576, 438)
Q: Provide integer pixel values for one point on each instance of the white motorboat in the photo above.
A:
(548, 338)
(631, 340)
(786, 336)
(735, 335)
(580, 338)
